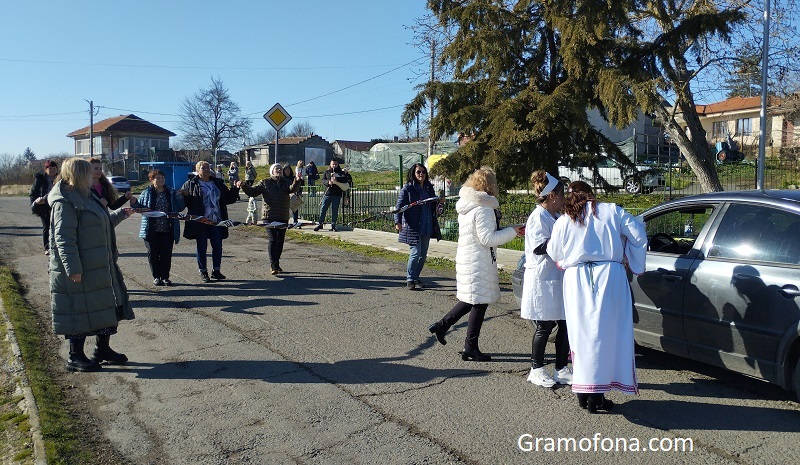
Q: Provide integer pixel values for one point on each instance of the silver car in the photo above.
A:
(120, 183)
(722, 282)
(642, 179)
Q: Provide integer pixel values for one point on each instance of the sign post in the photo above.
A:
(277, 117)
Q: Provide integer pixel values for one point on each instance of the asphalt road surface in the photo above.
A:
(332, 363)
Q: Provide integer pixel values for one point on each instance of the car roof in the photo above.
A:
(785, 197)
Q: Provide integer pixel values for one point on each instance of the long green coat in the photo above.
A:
(82, 240)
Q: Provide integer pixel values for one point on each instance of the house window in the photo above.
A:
(743, 126)
(82, 147)
(719, 129)
(122, 144)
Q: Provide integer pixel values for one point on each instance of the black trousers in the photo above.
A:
(159, 253)
(276, 238)
(476, 314)
(46, 230)
(542, 330)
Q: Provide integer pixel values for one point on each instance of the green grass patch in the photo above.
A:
(59, 429)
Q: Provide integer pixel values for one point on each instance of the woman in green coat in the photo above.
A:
(87, 293)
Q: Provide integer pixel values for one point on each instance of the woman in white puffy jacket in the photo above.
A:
(476, 261)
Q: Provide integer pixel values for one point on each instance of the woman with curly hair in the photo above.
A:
(591, 242)
(477, 282)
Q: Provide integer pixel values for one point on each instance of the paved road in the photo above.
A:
(333, 364)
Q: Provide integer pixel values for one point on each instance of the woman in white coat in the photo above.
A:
(476, 261)
(590, 242)
(542, 296)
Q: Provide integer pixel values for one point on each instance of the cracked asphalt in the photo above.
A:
(333, 363)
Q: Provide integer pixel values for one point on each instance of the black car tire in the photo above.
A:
(633, 185)
(797, 379)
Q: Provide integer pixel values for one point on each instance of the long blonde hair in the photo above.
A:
(77, 173)
(484, 179)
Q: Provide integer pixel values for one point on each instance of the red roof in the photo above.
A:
(732, 104)
(123, 123)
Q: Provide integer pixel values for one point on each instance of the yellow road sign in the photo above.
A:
(277, 117)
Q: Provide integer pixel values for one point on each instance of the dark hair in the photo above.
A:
(112, 193)
(50, 163)
(291, 172)
(153, 173)
(575, 203)
(412, 179)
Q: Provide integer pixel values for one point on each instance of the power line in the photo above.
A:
(356, 84)
(43, 114)
(237, 68)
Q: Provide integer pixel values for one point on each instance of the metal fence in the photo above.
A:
(367, 201)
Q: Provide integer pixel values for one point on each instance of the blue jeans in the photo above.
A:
(213, 234)
(328, 201)
(416, 258)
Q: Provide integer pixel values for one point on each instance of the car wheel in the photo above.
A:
(797, 380)
(633, 186)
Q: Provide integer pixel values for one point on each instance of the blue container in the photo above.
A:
(175, 172)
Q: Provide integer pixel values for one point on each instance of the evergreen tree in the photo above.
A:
(509, 94)
(745, 79)
(28, 155)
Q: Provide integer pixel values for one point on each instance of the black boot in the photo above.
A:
(77, 360)
(439, 329)
(474, 354)
(598, 402)
(582, 400)
(104, 352)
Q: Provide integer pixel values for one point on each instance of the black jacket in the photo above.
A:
(276, 196)
(333, 190)
(40, 188)
(193, 197)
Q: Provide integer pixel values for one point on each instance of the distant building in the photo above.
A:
(290, 150)
(739, 119)
(123, 141)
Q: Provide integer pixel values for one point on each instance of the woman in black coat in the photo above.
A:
(418, 224)
(42, 183)
(207, 196)
(275, 190)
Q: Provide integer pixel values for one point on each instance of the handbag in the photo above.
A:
(295, 202)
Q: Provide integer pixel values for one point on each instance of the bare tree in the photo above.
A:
(300, 129)
(431, 36)
(264, 137)
(211, 120)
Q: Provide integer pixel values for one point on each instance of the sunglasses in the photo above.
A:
(420, 172)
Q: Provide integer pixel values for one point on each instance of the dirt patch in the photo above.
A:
(14, 189)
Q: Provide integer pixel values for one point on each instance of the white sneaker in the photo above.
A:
(563, 376)
(540, 377)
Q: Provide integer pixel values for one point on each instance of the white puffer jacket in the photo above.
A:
(476, 268)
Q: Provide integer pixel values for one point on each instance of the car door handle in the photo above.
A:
(790, 290)
(672, 277)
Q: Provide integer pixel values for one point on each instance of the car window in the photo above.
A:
(750, 232)
(675, 231)
(604, 162)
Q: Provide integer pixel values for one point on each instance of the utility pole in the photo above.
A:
(91, 128)
(762, 143)
(430, 100)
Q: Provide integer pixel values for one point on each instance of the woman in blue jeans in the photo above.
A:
(417, 224)
(208, 196)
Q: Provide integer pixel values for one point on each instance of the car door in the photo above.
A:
(742, 301)
(658, 293)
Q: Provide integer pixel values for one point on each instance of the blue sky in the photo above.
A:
(144, 57)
